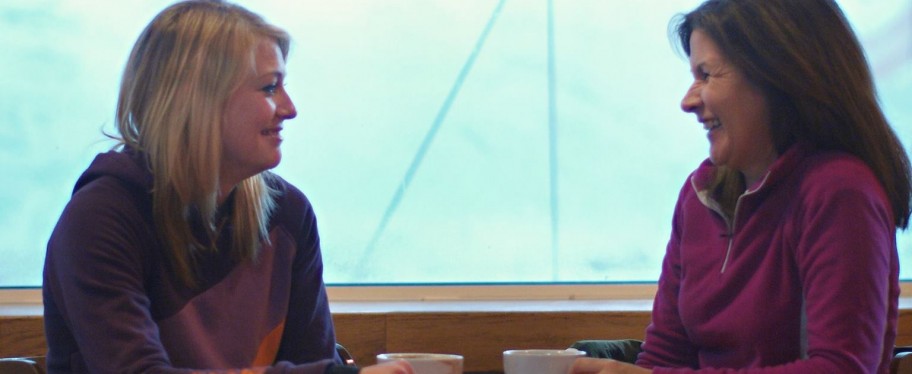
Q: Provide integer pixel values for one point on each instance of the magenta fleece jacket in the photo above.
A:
(804, 279)
(112, 306)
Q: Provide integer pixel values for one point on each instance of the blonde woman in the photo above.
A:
(178, 249)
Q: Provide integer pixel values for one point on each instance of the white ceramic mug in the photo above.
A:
(427, 363)
(540, 361)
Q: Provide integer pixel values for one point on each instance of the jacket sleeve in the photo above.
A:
(95, 298)
(847, 261)
(666, 343)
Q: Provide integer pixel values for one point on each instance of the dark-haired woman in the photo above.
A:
(782, 256)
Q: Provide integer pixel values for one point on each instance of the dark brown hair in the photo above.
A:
(810, 65)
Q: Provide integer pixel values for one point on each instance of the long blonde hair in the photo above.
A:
(184, 66)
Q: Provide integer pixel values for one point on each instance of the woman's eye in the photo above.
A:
(703, 75)
(271, 89)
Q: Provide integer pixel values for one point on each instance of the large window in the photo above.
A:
(479, 141)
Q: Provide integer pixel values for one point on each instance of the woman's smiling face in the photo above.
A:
(732, 110)
(254, 116)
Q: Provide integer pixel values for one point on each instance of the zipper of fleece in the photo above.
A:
(733, 223)
(730, 223)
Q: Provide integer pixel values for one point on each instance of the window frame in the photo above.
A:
(429, 293)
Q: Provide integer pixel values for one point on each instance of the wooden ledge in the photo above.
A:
(478, 330)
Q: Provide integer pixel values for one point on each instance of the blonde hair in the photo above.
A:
(184, 66)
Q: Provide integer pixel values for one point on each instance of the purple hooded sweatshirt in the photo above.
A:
(803, 279)
(112, 305)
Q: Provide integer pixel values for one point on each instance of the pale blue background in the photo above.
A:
(369, 78)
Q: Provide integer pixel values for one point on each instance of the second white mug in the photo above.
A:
(540, 361)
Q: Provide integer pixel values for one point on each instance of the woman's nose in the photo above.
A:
(691, 100)
(286, 109)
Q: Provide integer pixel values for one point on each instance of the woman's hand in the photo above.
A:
(587, 365)
(393, 367)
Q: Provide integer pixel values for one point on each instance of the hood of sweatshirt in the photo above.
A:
(127, 165)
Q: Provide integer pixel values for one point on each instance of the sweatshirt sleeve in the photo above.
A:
(94, 289)
(309, 333)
